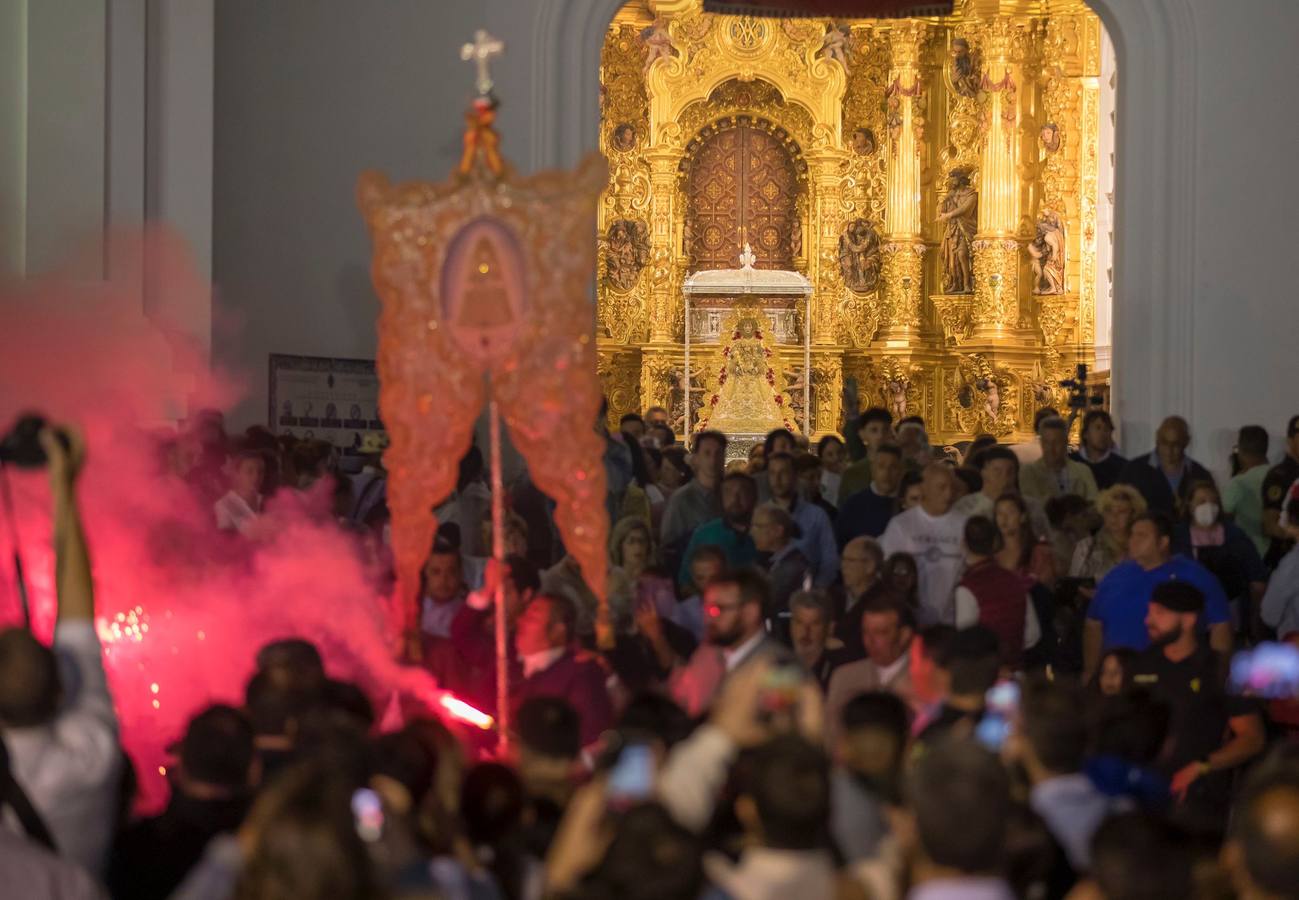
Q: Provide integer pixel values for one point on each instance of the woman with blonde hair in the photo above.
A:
(631, 547)
(1096, 555)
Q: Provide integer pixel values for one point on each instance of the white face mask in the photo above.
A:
(1206, 514)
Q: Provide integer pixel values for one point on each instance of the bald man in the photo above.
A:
(1165, 475)
(931, 532)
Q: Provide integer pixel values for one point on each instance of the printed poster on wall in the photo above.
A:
(324, 398)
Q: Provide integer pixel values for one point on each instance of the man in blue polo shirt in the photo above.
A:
(1117, 615)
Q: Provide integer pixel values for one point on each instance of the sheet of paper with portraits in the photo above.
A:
(484, 283)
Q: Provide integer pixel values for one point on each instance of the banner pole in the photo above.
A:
(498, 553)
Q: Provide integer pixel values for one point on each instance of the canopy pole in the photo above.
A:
(686, 437)
(807, 366)
(498, 553)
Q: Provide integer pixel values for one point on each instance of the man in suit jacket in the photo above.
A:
(887, 628)
(1165, 475)
(1054, 474)
(735, 606)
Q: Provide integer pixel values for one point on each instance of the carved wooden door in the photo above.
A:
(742, 187)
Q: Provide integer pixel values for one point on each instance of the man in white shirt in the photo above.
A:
(931, 532)
(242, 504)
(62, 734)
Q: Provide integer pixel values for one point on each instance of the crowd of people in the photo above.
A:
(863, 668)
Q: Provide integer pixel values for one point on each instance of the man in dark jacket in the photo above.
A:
(1165, 475)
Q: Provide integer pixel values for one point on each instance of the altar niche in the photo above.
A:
(933, 183)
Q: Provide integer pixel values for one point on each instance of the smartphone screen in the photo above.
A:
(1270, 671)
(1002, 706)
(631, 779)
(367, 815)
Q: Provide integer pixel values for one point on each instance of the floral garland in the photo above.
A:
(724, 373)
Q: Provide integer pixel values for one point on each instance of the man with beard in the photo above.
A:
(730, 532)
(735, 605)
(1182, 671)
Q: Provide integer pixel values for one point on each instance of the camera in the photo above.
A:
(21, 446)
(1078, 396)
(1077, 387)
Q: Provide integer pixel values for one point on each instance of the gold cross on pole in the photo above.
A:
(483, 48)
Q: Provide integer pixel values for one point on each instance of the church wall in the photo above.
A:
(308, 95)
(1246, 322)
(370, 85)
(65, 129)
(1204, 315)
(13, 136)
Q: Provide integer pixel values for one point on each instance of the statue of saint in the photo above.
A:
(1049, 134)
(863, 142)
(835, 45)
(746, 401)
(896, 389)
(658, 43)
(627, 252)
(959, 212)
(964, 71)
(1047, 253)
(859, 256)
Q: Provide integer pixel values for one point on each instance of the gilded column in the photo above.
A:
(664, 295)
(904, 248)
(827, 196)
(827, 392)
(996, 247)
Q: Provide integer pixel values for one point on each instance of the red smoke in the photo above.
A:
(182, 608)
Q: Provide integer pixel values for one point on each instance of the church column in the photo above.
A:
(903, 251)
(661, 305)
(996, 245)
(825, 186)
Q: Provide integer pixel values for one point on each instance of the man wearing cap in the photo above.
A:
(1180, 670)
(1275, 488)
(1116, 616)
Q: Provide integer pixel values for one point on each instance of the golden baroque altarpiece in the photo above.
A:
(936, 180)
